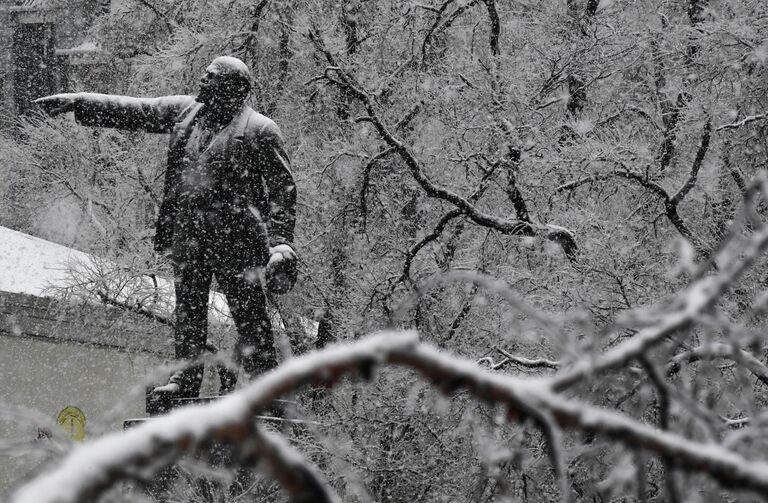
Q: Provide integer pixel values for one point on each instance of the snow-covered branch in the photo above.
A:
(686, 307)
(140, 453)
(742, 122)
(526, 398)
(716, 350)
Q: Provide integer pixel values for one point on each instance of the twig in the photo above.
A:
(366, 182)
(527, 362)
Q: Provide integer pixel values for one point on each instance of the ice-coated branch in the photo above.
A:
(141, 452)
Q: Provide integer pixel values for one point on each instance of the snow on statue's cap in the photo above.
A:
(229, 65)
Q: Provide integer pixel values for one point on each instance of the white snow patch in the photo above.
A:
(32, 265)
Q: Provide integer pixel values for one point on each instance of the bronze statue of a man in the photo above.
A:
(228, 208)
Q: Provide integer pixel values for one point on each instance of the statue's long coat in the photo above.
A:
(240, 182)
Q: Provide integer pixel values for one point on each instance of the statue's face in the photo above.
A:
(219, 86)
(211, 85)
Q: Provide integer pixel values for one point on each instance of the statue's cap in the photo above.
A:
(229, 65)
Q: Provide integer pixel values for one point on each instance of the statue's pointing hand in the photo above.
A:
(56, 104)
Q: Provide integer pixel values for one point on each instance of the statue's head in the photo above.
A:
(226, 81)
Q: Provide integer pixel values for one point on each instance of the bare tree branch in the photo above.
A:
(742, 122)
(554, 438)
(366, 182)
(549, 321)
(438, 28)
(694, 300)
(671, 203)
(512, 227)
(716, 350)
(695, 167)
(463, 312)
(170, 24)
(624, 172)
(438, 230)
(664, 403)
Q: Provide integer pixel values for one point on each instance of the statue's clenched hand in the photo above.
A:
(57, 104)
(281, 269)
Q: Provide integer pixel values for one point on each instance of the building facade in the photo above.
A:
(42, 44)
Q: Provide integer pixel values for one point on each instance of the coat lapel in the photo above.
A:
(233, 131)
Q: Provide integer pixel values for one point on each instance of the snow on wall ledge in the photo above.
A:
(24, 315)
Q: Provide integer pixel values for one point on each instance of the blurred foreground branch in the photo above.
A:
(140, 453)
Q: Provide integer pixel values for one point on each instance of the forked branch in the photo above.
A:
(512, 227)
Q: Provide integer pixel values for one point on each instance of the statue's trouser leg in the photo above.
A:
(255, 346)
(193, 279)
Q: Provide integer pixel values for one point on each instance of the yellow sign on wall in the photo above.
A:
(72, 421)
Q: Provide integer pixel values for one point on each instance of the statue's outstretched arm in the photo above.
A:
(155, 115)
